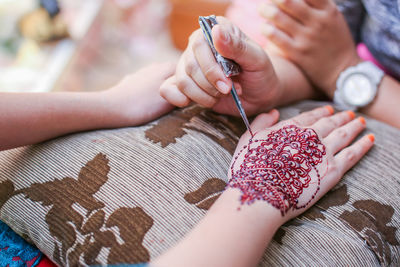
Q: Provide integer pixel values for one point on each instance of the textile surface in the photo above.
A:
(15, 251)
(127, 195)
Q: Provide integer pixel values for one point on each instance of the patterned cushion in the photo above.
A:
(127, 195)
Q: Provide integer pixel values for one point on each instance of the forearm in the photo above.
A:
(230, 235)
(28, 118)
(294, 84)
(386, 106)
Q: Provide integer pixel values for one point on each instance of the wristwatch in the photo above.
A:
(357, 86)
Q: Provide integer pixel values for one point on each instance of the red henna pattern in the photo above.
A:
(277, 169)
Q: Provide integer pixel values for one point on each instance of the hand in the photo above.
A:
(199, 78)
(294, 163)
(136, 99)
(314, 35)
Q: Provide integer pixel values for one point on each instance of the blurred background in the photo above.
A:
(75, 45)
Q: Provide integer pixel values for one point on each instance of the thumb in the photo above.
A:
(261, 122)
(232, 43)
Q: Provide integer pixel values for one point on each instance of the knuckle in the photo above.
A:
(342, 134)
(331, 122)
(301, 47)
(350, 156)
(334, 168)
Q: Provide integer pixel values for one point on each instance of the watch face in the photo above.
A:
(358, 90)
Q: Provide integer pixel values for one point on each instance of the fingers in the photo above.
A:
(276, 36)
(326, 125)
(310, 117)
(280, 19)
(319, 4)
(298, 10)
(188, 86)
(232, 43)
(349, 156)
(194, 71)
(170, 92)
(208, 67)
(343, 136)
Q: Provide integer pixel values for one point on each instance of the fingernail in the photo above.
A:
(267, 29)
(279, 1)
(269, 11)
(330, 109)
(362, 120)
(223, 87)
(371, 137)
(351, 113)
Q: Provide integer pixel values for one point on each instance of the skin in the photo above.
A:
(214, 241)
(308, 33)
(265, 82)
(29, 118)
(220, 238)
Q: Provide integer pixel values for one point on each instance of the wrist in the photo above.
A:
(112, 115)
(262, 216)
(292, 83)
(330, 86)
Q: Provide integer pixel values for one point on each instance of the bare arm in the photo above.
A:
(226, 236)
(314, 35)
(294, 84)
(386, 106)
(28, 118)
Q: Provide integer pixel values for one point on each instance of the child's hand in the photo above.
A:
(314, 35)
(292, 164)
(136, 99)
(199, 78)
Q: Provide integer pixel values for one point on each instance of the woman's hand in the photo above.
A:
(314, 35)
(199, 78)
(282, 164)
(136, 99)
(295, 162)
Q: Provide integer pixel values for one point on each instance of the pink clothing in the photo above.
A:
(245, 15)
(364, 54)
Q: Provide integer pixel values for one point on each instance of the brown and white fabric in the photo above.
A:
(126, 195)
